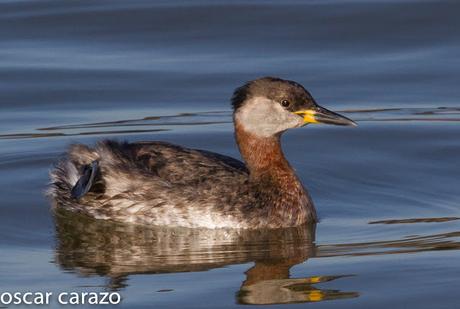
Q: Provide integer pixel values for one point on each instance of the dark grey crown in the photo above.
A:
(271, 87)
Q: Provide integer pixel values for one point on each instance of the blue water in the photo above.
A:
(387, 192)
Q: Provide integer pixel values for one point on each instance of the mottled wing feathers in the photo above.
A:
(145, 167)
(183, 166)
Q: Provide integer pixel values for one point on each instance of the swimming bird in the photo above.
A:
(158, 183)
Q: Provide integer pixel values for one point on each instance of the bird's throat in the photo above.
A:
(263, 155)
(278, 188)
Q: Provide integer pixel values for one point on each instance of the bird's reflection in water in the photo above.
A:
(282, 289)
(94, 247)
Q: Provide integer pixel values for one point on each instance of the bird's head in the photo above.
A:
(269, 106)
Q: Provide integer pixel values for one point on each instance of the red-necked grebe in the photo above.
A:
(159, 183)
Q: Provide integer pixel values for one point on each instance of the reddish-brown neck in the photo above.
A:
(263, 155)
(276, 186)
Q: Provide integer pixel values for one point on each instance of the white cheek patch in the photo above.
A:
(264, 117)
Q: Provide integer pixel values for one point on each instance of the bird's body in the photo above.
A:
(158, 183)
(163, 184)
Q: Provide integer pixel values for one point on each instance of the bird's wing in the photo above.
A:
(180, 165)
(156, 169)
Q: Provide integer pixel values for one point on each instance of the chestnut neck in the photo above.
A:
(263, 155)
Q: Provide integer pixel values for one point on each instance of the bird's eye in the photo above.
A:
(285, 103)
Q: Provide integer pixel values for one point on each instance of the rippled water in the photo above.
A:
(387, 191)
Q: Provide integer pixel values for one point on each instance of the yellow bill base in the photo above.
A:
(308, 116)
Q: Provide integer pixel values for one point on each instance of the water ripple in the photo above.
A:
(174, 122)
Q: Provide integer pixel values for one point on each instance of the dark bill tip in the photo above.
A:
(323, 115)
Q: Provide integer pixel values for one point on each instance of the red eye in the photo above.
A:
(285, 103)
